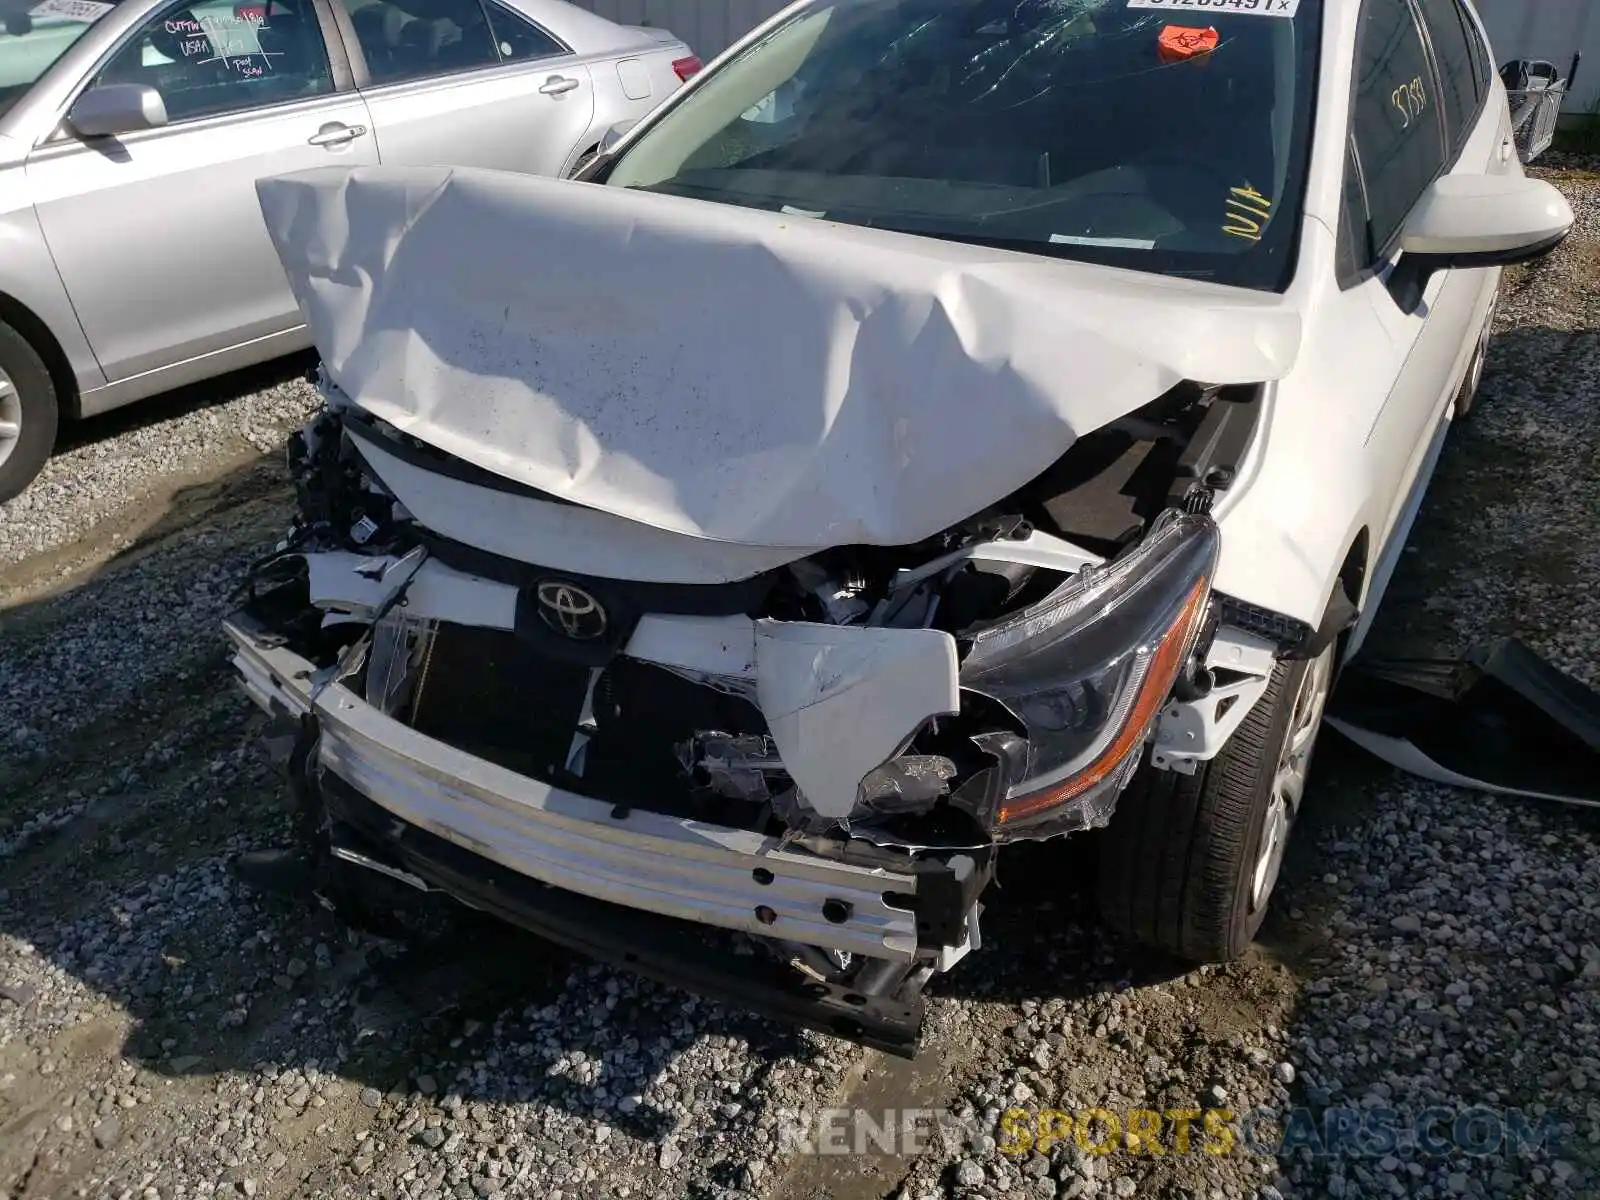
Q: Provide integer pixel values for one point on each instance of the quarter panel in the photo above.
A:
(613, 105)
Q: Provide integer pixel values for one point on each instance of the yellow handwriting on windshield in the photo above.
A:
(1246, 214)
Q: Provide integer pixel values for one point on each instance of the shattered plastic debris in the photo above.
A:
(1501, 720)
(737, 766)
(910, 783)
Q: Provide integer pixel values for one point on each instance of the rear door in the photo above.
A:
(158, 234)
(467, 83)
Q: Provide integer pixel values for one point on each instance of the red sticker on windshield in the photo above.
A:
(1179, 42)
(252, 14)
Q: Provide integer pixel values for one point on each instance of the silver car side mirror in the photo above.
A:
(114, 108)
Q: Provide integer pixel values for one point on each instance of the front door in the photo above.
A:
(1421, 110)
(158, 234)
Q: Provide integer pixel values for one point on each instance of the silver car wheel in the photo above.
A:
(10, 417)
(1289, 779)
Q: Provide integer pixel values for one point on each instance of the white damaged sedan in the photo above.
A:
(943, 424)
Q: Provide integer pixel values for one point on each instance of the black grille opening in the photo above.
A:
(487, 692)
(483, 691)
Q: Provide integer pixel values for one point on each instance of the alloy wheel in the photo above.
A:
(10, 417)
(1289, 777)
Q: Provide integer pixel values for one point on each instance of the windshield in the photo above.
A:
(36, 34)
(1161, 135)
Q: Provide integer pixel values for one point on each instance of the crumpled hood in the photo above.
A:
(726, 373)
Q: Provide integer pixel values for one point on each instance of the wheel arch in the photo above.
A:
(1352, 583)
(1357, 562)
(26, 322)
(581, 158)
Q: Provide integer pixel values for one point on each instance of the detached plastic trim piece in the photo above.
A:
(1501, 720)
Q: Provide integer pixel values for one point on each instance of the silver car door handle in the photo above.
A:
(336, 135)
(557, 85)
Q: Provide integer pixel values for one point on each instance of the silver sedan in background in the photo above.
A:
(133, 258)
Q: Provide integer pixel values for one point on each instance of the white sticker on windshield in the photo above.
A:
(1116, 243)
(1256, 8)
(75, 10)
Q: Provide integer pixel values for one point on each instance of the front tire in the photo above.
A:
(28, 413)
(1189, 862)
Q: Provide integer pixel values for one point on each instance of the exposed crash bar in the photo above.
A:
(675, 867)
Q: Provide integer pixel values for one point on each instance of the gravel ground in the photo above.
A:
(111, 471)
(163, 1034)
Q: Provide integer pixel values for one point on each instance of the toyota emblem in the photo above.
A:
(571, 611)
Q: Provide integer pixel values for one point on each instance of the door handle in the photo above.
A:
(1506, 148)
(336, 134)
(557, 85)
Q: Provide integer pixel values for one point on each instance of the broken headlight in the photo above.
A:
(1087, 670)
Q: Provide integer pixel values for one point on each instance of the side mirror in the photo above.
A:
(114, 108)
(1466, 221)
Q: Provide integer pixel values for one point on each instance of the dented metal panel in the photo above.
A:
(864, 386)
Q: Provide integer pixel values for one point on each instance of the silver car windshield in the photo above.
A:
(36, 34)
(1139, 133)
